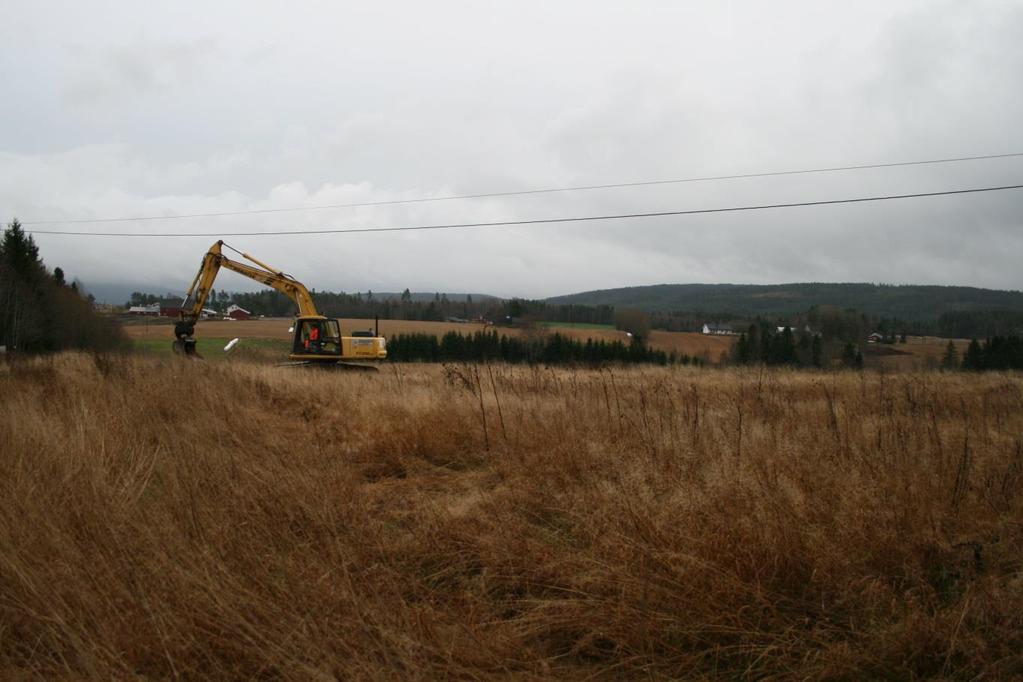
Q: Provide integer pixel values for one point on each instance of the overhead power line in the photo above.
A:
(551, 190)
(511, 223)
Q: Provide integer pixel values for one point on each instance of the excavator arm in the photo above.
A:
(215, 259)
(199, 291)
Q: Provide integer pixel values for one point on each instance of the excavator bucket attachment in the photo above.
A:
(184, 344)
(186, 348)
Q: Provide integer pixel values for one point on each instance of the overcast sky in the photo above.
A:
(123, 109)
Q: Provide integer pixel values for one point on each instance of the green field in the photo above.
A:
(213, 348)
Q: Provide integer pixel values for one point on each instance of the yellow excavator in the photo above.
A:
(317, 340)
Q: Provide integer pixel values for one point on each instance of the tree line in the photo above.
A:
(834, 321)
(981, 324)
(909, 303)
(40, 311)
(993, 354)
(852, 323)
(760, 344)
(405, 306)
(765, 344)
(551, 349)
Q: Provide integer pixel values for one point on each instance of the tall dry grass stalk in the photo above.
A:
(235, 521)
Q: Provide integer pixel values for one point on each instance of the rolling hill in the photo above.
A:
(908, 302)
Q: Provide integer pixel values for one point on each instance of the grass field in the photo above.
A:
(212, 348)
(692, 344)
(232, 520)
(919, 353)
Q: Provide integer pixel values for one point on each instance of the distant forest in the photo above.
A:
(955, 312)
(405, 306)
(913, 303)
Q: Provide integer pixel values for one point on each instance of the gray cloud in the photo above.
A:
(185, 109)
(120, 73)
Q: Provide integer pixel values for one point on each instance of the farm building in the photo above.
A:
(236, 312)
(151, 310)
(170, 311)
(717, 329)
(796, 330)
(875, 338)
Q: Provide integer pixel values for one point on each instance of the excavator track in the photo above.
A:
(339, 366)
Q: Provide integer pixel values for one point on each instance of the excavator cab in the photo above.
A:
(316, 338)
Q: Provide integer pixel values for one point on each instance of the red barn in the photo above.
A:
(236, 312)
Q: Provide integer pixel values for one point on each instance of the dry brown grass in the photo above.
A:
(235, 521)
(918, 353)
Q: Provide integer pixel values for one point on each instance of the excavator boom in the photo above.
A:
(215, 259)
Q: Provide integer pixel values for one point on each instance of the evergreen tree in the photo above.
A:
(742, 354)
(817, 351)
(785, 348)
(766, 337)
(20, 253)
(38, 312)
(973, 360)
(755, 354)
(515, 308)
(950, 361)
(851, 356)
